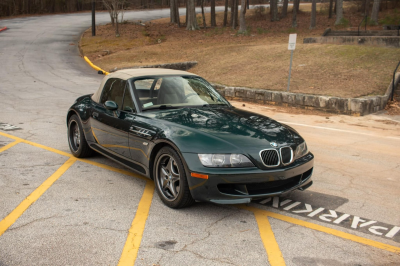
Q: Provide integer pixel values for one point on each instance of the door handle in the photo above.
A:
(95, 115)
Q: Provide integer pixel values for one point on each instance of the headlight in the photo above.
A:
(225, 160)
(301, 150)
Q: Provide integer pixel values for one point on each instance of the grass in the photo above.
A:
(257, 59)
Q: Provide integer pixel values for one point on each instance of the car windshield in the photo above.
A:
(175, 92)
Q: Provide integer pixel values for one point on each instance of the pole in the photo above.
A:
(290, 70)
(93, 18)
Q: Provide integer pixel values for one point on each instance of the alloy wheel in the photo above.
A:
(168, 177)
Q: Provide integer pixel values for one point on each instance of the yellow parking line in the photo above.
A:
(9, 145)
(274, 253)
(132, 244)
(24, 205)
(324, 229)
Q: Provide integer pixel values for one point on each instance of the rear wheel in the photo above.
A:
(170, 179)
(76, 138)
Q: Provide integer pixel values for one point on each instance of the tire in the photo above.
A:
(76, 139)
(170, 179)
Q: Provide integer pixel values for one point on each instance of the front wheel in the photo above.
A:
(170, 178)
(76, 139)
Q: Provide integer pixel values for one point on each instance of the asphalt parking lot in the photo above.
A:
(59, 210)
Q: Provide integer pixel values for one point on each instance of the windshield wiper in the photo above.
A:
(161, 107)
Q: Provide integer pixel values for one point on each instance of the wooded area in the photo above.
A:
(278, 9)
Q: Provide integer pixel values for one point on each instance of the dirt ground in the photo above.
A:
(257, 59)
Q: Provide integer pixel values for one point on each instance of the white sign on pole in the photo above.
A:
(292, 41)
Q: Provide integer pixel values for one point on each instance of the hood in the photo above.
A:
(244, 130)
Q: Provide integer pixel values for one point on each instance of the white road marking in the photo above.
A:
(316, 212)
(308, 209)
(373, 229)
(341, 218)
(332, 214)
(340, 130)
(393, 232)
(291, 206)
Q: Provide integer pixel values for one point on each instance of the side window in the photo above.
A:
(128, 106)
(113, 91)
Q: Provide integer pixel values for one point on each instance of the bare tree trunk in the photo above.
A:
(178, 20)
(284, 8)
(191, 23)
(297, 5)
(294, 14)
(226, 13)
(313, 14)
(375, 11)
(242, 27)
(330, 8)
(202, 14)
(213, 22)
(339, 12)
(187, 11)
(236, 13)
(172, 11)
(232, 11)
(275, 10)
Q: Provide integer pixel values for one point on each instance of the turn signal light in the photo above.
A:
(199, 175)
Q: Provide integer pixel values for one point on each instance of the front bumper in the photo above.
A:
(241, 185)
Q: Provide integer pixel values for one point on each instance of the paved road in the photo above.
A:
(350, 216)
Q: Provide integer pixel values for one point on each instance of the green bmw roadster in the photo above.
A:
(175, 128)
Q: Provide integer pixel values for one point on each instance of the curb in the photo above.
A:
(3, 29)
(94, 66)
(349, 106)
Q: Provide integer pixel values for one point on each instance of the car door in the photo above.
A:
(141, 131)
(110, 128)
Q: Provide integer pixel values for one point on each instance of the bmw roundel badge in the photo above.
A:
(273, 144)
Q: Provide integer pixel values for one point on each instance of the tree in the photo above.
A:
(191, 23)
(313, 14)
(339, 12)
(226, 13)
(330, 8)
(114, 7)
(375, 11)
(242, 27)
(297, 5)
(294, 14)
(274, 10)
(174, 12)
(213, 22)
(284, 8)
(202, 14)
(236, 14)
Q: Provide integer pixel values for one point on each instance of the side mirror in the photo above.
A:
(100, 72)
(111, 105)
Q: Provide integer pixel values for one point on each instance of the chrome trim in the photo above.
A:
(277, 153)
(142, 132)
(291, 155)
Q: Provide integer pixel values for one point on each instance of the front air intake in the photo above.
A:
(270, 157)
